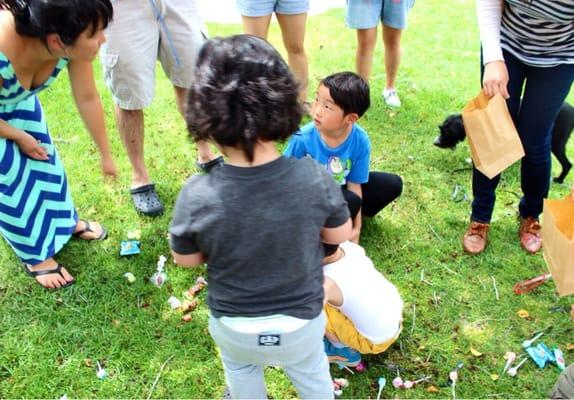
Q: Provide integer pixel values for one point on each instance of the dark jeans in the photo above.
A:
(544, 92)
(380, 190)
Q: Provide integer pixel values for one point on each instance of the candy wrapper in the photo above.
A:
(129, 247)
(160, 276)
(559, 359)
(541, 355)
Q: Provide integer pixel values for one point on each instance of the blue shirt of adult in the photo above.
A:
(348, 162)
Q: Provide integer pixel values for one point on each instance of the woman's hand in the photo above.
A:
(495, 79)
(31, 147)
(109, 169)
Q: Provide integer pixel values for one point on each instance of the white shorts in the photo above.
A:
(138, 37)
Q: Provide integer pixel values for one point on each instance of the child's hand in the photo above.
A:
(109, 169)
(31, 147)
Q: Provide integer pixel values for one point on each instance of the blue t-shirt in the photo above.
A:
(348, 162)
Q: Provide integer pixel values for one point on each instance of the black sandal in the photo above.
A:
(146, 200)
(56, 270)
(207, 166)
(87, 228)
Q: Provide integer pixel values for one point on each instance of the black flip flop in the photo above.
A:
(56, 270)
(146, 200)
(207, 166)
(88, 228)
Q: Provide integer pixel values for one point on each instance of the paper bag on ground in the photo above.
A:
(558, 242)
(492, 136)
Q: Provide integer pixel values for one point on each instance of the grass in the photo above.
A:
(50, 341)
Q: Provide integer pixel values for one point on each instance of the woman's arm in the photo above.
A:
(27, 143)
(90, 107)
(495, 79)
(189, 260)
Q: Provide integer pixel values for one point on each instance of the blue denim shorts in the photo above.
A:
(365, 14)
(261, 8)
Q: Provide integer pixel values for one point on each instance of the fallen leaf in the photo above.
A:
(475, 352)
(570, 346)
(494, 377)
(421, 347)
(523, 314)
(432, 389)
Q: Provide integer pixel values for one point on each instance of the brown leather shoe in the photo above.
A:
(529, 233)
(475, 238)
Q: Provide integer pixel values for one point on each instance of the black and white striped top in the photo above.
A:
(539, 32)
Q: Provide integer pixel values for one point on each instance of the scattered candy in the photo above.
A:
(135, 234)
(174, 302)
(559, 359)
(541, 355)
(523, 314)
(100, 373)
(381, 382)
(186, 318)
(160, 277)
(360, 367)
(338, 385)
(200, 283)
(530, 284)
(528, 343)
(514, 370)
(509, 356)
(130, 277)
(129, 247)
(188, 306)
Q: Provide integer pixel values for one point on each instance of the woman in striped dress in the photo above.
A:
(38, 38)
(528, 50)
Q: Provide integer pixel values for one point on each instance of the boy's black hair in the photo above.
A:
(242, 92)
(349, 91)
(67, 18)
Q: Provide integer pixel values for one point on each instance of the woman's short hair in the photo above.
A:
(243, 92)
(67, 18)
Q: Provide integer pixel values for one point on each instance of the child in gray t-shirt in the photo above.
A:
(258, 221)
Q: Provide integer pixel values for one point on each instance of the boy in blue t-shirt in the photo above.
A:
(337, 142)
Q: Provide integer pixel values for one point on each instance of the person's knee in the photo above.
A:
(396, 185)
(295, 49)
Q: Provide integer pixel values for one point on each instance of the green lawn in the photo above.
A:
(50, 341)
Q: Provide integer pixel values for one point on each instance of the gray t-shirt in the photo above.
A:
(259, 228)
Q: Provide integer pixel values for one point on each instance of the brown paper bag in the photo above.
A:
(492, 137)
(558, 242)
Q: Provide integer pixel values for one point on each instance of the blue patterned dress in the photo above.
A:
(37, 215)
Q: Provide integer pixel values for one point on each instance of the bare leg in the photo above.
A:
(204, 153)
(392, 41)
(293, 33)
(51, 281)
(130, 124)
(257, 26)
(366, 41)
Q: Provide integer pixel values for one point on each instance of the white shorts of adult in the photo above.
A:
(142, 32)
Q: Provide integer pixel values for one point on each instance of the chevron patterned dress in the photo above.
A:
(37, 215)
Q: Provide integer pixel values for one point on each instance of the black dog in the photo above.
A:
(452, 132)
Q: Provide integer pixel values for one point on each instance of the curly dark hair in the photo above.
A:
(67, 18)
(243, 92)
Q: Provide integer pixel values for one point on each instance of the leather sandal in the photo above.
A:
(529, 233)
(146, 200)
(87, 228)
(475, 239)
(56, 270)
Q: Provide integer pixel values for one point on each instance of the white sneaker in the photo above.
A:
(391, 98)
